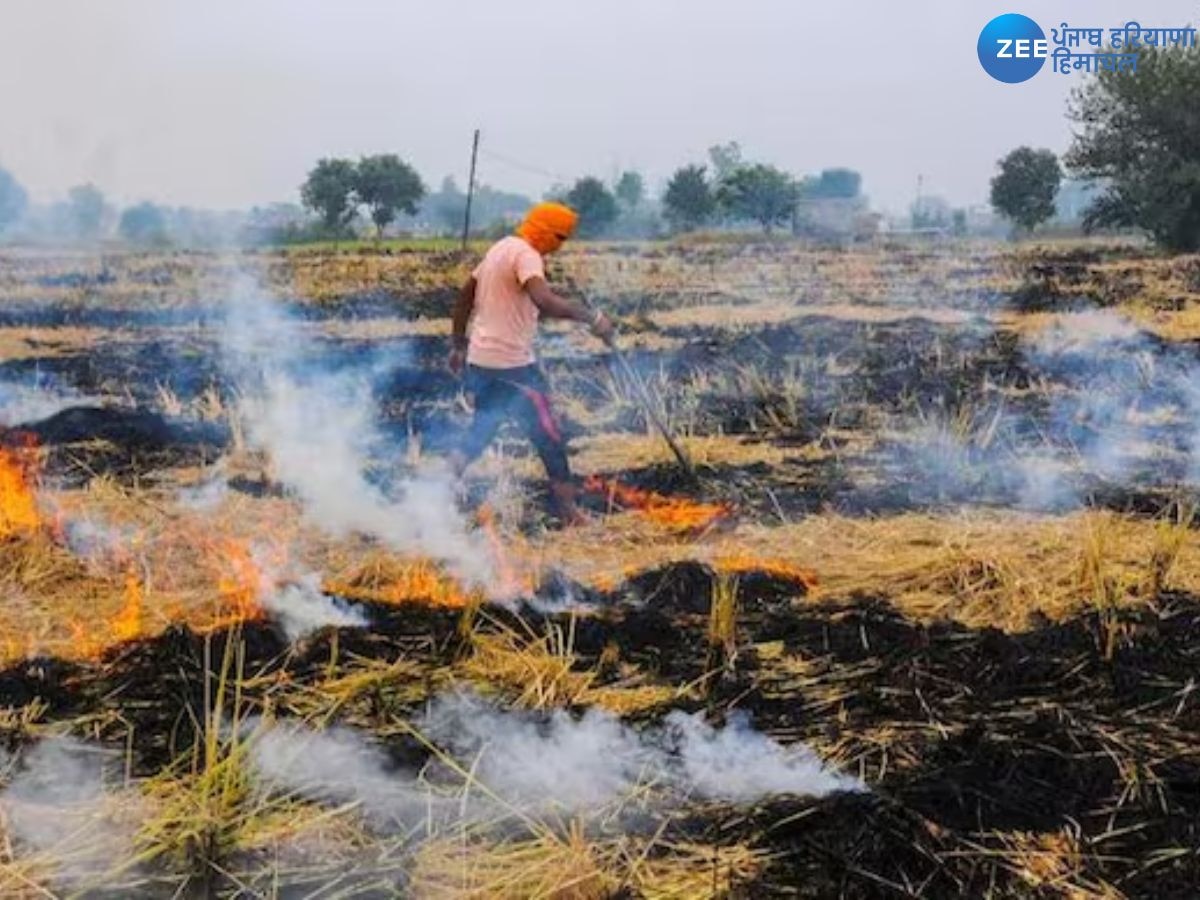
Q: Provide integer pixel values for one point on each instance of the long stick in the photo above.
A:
(647, 405)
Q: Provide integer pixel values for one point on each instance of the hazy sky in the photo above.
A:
(227, 103)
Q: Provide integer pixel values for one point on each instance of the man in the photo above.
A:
(502, 301)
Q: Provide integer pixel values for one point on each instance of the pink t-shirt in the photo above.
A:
(505, 320)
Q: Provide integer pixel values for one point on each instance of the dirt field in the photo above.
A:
(927, 623)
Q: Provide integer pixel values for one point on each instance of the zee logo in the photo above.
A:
(1012, 48)
(1022, 49)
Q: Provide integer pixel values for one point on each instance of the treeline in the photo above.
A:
(86, 216)
(381, 194)
(1134, 164)
(1136, 149)
(728, 192)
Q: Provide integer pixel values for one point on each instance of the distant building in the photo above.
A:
(835, 218)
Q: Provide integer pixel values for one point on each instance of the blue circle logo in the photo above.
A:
(1012, 48)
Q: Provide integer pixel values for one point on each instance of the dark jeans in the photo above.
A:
(518, 395)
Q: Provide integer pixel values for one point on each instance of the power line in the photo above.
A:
(524, 166)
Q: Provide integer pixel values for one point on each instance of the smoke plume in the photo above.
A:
(59, 801)
(540, 763)
(318, 428)
(301, 608)
(1118, 408)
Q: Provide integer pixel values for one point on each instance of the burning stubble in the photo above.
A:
(491, 770)
(1121, 411)
(62, 802)
(496, 763)
(319, 431)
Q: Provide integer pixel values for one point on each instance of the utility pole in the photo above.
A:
(470, 192)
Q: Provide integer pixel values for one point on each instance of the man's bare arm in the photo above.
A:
(463, 307)
(555, 306)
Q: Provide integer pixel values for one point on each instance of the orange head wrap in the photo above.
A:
(547, 225)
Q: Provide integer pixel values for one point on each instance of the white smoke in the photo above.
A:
(61, 797)
(540, 764)
(338, 766)
(301, 608)
(549, 762)
(206, 496)
(741, 765)
(1084, 331)
(95, 540)
(1123, 409)
(319, 430)
(58, 801)
(1132, 403)
(24, 403)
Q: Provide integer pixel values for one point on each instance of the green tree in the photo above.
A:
(1024, 189)
(85, 210)
(329, 192)
(596, 205)
(13, 200)
(688, 201)
(1139, 136)
(725, 158)
(759, 193)
(630, 189)
(446, 206)
(143, 224)
(388, 186)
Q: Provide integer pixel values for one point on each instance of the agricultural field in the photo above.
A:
(922, 623)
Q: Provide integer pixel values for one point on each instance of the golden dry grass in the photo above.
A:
(982, 569)
(541, 671)
(570, 866)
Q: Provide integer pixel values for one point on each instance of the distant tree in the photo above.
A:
(688, 201)
(725, 158)
(446, 205)
(958, 222)
(596, 205)
(143, 224)
(388, 186)
(85, 210)
(496, 209)
(759, 193)
(276, 223)
(13, 200)
(630, 189)
(1141, 137)
(1024, 189)
(329, 192)
(835, 183)
(492, 210)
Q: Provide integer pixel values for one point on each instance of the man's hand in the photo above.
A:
(602, 327)
(457, 359)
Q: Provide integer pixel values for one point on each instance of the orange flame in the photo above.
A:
(82, 643)
(240, 584)
(674, 513)
(513, 580)
(19, 513)
(128, 623)
(386, 580)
